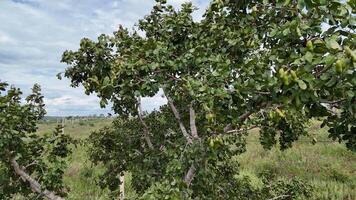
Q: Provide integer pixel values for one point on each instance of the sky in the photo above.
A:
(35, 33)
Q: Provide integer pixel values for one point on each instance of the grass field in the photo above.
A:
(328, 166)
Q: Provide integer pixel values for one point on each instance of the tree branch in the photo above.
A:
(244, 116)
(177, 116)
(241, 130)
(145, 127)
(279, 197)
(332, 102)
(193, 127)
(190, 175)
(35, 186)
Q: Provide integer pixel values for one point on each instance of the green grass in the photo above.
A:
(81, 175)
(328, 166)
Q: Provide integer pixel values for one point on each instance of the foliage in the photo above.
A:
(41, 157)
(268, 64)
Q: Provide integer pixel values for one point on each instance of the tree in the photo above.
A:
(272, 65)
(30, 164)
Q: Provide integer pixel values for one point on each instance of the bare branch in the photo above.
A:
(241, 130)
(332, 102)
(190, 175)
(177, 116)
(145, 127)
(193, 127)
(35, 186)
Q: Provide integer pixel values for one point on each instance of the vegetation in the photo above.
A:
(258, 70)
(327, 166)
(38, 160)
(274, 65)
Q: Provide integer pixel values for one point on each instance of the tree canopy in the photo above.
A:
(266, 64)
(30, 164)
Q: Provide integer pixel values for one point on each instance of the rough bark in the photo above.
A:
(193, 127)
(35, 186)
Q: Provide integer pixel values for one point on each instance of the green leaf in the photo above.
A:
(332, 44)
(302, 84)
(301, 4)
(286, 31)
(309, 57)
(350, 94)
(106, 80)
(59, 76)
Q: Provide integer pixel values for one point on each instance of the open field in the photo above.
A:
(328, 166)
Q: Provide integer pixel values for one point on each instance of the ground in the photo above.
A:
(328, 166)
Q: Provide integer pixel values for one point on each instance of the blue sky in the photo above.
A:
(34, 33)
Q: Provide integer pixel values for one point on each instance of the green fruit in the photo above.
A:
(285, 80)
(339, 66)
(281, 72)
(219, 141)
(310, 45)
(209, 117)
(294, 75)
(211, 143)
(280, 113)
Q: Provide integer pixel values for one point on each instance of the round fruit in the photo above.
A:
(339, 66)
(310, 45)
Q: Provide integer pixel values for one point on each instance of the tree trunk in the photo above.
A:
(35, 186)
(122, 187)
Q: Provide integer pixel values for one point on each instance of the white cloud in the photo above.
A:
(71, 100)
(34, 33)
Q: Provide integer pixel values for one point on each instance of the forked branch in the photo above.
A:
(177, 116)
